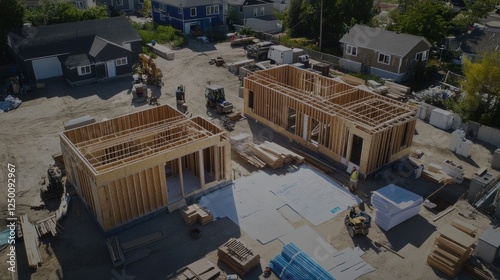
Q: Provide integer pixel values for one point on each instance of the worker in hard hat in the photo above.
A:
(353, 182)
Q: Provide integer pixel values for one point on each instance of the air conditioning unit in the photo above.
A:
(303, 58)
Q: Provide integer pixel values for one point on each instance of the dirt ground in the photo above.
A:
(30, 137)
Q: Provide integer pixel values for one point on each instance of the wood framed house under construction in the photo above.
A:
(347, 124)
(136, 164)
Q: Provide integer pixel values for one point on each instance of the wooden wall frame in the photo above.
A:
(325, 115)
(118, 166)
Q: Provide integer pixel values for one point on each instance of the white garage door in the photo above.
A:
(47, 68)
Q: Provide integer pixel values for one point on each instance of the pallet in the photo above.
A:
(238, 256)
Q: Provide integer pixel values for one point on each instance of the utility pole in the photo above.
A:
(321, 26)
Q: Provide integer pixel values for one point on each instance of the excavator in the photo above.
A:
(153, 74)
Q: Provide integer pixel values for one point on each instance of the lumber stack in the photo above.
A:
(47, 225)
(396, 91)
(193, 214)
(31, 242)
(238, 256)
(452, 247)
(270, 154)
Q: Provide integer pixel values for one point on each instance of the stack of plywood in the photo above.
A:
(194, 213)
(199, 270)
(238, 256)
(452, 247)
(31, 242)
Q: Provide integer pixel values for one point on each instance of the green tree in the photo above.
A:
(474, 10)
(424, 18)
(481, 102)
(61, 11)
(11, 18)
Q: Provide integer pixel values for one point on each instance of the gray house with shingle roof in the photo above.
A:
(81, 52)
(383, 53)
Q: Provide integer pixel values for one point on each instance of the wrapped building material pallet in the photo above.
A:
(452, 248)
(238, 256)
(394, 205)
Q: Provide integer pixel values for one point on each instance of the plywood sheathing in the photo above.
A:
(118, 165)
(324, 115)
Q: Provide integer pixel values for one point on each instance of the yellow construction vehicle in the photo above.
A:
(216, 99)
(153, 74)
(357, 223)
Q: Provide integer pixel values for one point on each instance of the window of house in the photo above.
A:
(384, 58)
(180, 11)
(162, 6)
(84, 70)
(255, 11)
(241, 9)
(212, 10)
(351, 50)
(193, 12)
(80, 4)
(262, 10)
(163, 17)
(421, 56)
(119, 2)
(121, 61)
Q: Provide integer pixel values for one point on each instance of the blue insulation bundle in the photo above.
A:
(294, 264)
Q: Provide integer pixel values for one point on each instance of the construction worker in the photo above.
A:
(353, 183)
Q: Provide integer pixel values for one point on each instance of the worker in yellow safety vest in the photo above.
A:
(353, 183)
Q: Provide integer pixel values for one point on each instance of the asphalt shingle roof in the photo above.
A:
(478, 41)
(73, 37)
(381, 40)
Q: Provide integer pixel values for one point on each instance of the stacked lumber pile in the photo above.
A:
(434, 173)
(250, 158)
(238, 257)
(452, 247)
(234, 116)
(47, 225)
(199, 270)
(142, 241)
(397, 91)
(351, 80)
(271, 159)
(193, 214)
(115, 251)
(31, 242)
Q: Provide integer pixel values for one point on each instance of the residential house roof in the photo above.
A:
(248, 2)
(481, 40)
(190, 3)
(73, 37)
(382, 40)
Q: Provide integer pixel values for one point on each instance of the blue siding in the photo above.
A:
(170, 16)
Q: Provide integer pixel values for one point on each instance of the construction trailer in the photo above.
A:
(130, 166)
(347, 124)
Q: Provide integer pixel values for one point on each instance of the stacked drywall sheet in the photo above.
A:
(394, 205)
(313, 195)
(346, 264)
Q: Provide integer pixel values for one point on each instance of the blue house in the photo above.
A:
(188, 15)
